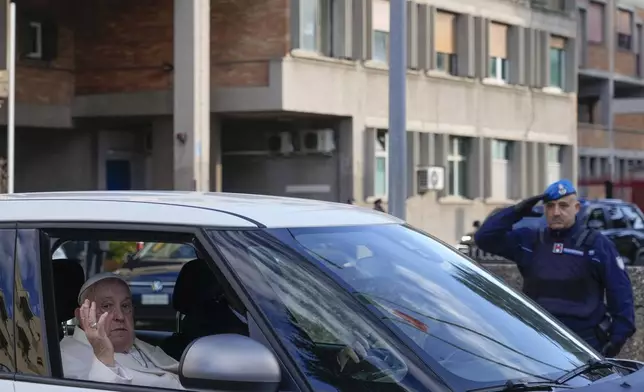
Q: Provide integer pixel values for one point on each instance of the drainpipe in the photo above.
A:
(611, 38)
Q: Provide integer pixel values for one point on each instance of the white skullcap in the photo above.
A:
(95, 279)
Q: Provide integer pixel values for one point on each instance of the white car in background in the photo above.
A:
(330, 297)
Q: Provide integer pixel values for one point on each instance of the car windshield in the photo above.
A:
(162, 251)
(471, 329)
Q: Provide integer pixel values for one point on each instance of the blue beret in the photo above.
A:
(559, 189)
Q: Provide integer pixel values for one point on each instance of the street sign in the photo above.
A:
(4, 83)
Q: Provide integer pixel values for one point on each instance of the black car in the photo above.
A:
(151, 274)
(621, 221)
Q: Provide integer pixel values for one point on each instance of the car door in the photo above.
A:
(39, 366)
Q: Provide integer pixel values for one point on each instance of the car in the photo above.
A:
(331, 296)
(621, 221)
(151, 273)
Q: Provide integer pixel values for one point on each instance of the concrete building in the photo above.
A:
(298, 99)
(611, 84)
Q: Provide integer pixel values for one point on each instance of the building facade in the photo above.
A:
(298, 99)
(611, 84)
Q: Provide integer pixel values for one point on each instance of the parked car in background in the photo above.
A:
(151, 273)
(621, 221)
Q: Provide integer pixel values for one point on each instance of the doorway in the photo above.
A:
(118, 175)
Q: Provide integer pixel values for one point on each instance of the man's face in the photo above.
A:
(560, 214)
(113, 296)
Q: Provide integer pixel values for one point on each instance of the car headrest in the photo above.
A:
(195, 287)
(68, 279)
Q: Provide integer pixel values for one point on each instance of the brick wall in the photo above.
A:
(48, 82)
(625, 63)
(597, 57)
(111, 46)
(121, 45)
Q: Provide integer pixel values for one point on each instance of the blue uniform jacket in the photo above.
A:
(497, 236)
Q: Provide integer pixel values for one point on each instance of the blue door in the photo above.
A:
(118, 175)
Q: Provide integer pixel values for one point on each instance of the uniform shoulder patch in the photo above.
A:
(620, 262)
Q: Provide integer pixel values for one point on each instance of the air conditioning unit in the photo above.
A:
(281, 143)
(430, 178)
(317, 141)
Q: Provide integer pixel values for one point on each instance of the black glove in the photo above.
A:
(524, 207)
(611, 350)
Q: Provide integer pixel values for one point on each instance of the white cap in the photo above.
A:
(97, 278)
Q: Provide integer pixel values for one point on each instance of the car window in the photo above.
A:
(326, 332)
(455, 315)
(634, 216)
(159, 251)
(7, 309)
(617, 218)
(597, 218)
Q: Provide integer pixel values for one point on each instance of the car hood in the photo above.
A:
(632, 382)
(164, 273)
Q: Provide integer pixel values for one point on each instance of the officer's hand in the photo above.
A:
(611, 350)
(524, 207)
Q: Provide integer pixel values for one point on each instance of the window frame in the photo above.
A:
(561, 57)
(499, 63)
(323, 24)
(374, 45)
(455, 156)
(624, 41)
(199, 233)
(450, 64)
(37, 28)
(601, 7)
(380, 154)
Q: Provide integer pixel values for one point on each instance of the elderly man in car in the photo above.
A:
(104, 347)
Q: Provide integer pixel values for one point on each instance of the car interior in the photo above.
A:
(204, 305)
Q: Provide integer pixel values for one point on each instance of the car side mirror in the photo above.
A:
(229, 362)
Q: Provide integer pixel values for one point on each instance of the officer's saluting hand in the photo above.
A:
(566, 268)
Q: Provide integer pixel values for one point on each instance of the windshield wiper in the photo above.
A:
(521, 386)
(590, 366)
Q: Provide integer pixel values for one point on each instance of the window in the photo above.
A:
(624, 24)
(457, 166)
(381, 46)
(595, 23)
(446, 62)
(315, 22)
(445, 42)
(501, 169)
(498, 43)
(380, 22)
(308, 282)
(8, 311)
(381, 175)
(617, 218)
(634, 216)
(499, 69)
(586, 107)
(35, 40)
(557, 62)
(638, 56)
(554, 163)
(197, 289)
(597, 219)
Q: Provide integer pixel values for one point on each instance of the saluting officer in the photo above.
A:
(566, 268)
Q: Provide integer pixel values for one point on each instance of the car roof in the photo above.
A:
(185, 208)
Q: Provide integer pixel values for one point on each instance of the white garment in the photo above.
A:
(79, 362)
